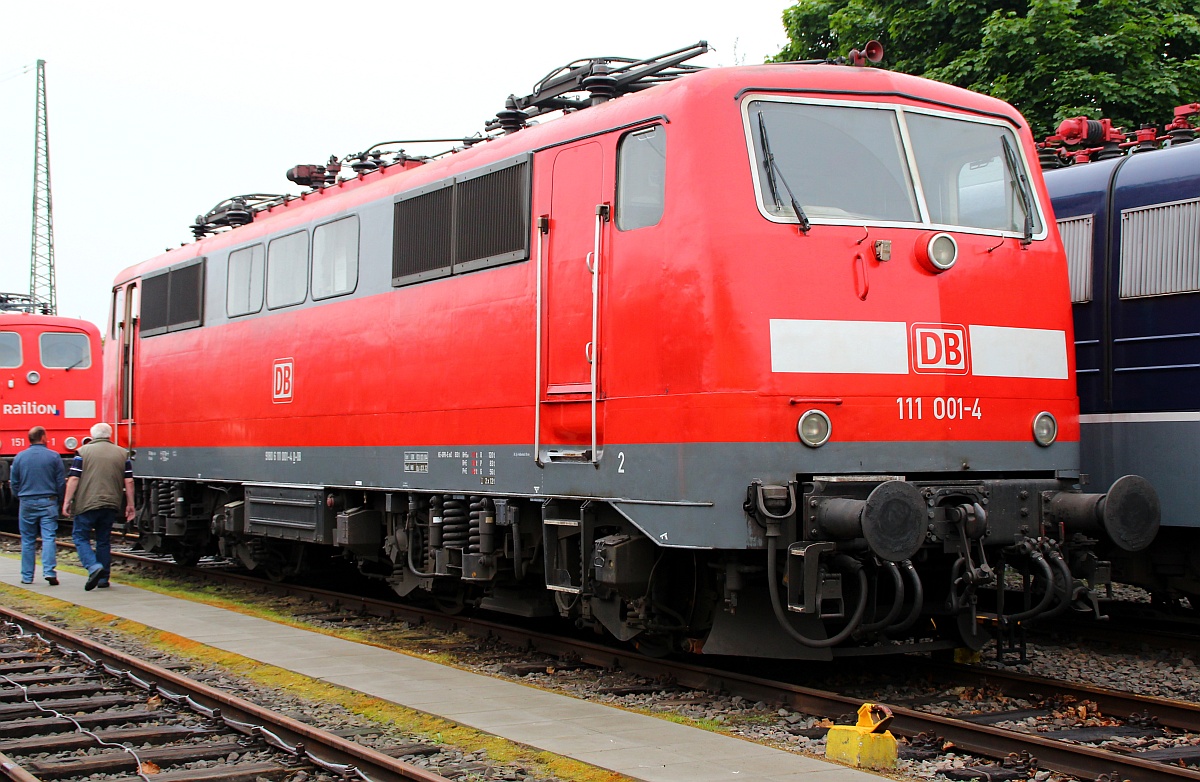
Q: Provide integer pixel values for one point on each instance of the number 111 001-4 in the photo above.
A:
(912, 408)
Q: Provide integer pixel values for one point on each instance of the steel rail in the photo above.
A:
(327, 748)
(983, 740)
(1114, 703)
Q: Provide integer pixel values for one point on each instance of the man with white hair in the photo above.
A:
(99, 478)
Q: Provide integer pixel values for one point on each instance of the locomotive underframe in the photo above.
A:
(840, 575)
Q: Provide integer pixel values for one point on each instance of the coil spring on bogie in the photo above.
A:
(178, 500)
(161, 495)
(455, 524)
(478, 511)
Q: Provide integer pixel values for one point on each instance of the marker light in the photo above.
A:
(814, 428)
(33, 377)
(937, 252)
(1045, 429)
(71, 442)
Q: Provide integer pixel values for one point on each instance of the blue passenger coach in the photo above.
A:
(1131, 228)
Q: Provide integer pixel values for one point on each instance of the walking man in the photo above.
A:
(100, 477)
(37, 481)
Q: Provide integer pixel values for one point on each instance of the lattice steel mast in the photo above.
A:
(42, 286)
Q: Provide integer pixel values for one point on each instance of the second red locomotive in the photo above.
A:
(767, 361)
(49, 376)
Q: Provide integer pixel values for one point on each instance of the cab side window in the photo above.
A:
(641, 178)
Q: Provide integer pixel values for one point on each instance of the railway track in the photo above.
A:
(71, 707)
(981, 734)
(986, 734)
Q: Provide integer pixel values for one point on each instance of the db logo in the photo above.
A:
(939, 348)
(284, 378)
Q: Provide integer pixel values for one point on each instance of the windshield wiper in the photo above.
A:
(1018, 174)
(77, 363)
(774, 171)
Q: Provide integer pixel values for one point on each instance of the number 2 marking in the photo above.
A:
(621, 462)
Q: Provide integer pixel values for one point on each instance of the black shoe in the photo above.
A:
(52, 580)
(23, 581)
(94, 578)
(102, 586)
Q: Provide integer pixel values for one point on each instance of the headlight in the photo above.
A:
(71, 442)
(814, 428)
(937, 252)
(1045, 429)
(33, 377)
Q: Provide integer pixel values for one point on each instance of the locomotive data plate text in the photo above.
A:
(941, 408)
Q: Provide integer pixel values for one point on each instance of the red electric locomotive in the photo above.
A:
(766, 360)
(49, 376)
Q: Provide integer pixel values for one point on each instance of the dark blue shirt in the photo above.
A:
(77, 468)
(37, 472)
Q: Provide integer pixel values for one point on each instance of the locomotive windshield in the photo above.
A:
(887, 164)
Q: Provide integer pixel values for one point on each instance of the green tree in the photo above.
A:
(1131, 61)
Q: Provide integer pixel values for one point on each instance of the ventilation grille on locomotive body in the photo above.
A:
(1077, 241)
(472, 221)
(174, 299)
(1160, 249)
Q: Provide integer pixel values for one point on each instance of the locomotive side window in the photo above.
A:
(61, 350)
(244, 283)
(10, 349)
(335, 258)
(287, 270)
(173, 300)
(641, 178)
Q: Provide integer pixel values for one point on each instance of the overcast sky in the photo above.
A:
(159, 110)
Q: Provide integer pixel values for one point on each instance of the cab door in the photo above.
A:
(572, 268)
(126, 300)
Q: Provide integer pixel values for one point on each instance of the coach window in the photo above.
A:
(335, 258)
(287, 270)
(641, 178)
(65, 351)
(10, 349)
(244, 286)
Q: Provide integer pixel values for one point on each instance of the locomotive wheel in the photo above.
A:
(186, 557)
(451, 604)
(654, 646)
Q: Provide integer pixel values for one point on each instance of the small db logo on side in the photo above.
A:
(283, 382)
(939, 348)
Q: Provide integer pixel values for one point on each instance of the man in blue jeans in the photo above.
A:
(100, 477)
(37, 481)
